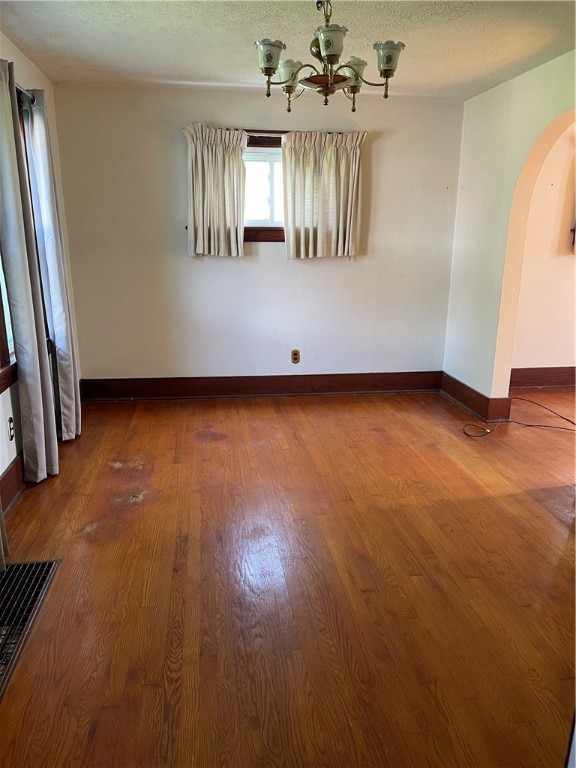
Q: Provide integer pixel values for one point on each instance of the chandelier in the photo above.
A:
(327, 47)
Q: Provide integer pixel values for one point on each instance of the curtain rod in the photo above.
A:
(260, 132)
(26, 93)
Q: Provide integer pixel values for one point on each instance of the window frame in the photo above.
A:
(264, 234)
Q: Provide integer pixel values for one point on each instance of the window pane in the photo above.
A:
(257, 206)
(264, 206)
(6, 309)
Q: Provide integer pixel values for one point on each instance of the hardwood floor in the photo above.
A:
(306, 581)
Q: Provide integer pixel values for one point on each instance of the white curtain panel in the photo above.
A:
(52, 267)
(216, 178)
(321, 193)
(20, 263)
(29, 235)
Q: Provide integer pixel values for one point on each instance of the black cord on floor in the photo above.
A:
(541, 426)
(565, 418)
(484, 431)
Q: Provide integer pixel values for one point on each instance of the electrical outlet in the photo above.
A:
(10, 428)
(295, 356)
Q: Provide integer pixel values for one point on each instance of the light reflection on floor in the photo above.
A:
(260, 568)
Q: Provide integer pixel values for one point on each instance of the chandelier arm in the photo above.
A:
(359, 76)
(291, 97)
(292, 78)
(352, 98)
(374, 85)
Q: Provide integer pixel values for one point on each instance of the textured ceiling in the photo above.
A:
(453, 49)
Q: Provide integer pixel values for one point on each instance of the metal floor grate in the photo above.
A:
(22, 589)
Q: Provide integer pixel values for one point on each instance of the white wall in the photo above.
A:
(545, 325)
(144, 308)
(500, 126)
(9, 408)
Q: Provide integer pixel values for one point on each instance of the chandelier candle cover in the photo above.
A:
(327, 47)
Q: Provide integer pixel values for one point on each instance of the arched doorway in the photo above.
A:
(516, 242)
(545, 331)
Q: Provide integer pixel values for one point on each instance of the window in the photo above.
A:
(264, 196)
(6, 338)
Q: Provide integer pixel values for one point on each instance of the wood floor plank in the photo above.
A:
(300, 581)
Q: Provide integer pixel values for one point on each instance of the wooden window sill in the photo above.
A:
(263, 234)
(8, 376)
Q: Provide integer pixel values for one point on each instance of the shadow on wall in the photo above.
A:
(567, 214)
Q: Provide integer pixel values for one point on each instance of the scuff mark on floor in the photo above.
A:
(90, 528)
(209, 436)
(135, 463)
(136, 497)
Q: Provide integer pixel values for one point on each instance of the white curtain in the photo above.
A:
(321, 193)
(53, 270)
(215, 190)
(25, 234)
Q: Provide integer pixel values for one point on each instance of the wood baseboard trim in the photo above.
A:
(12, 483)
(488, 408)
(543, 377)
(253, 386)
